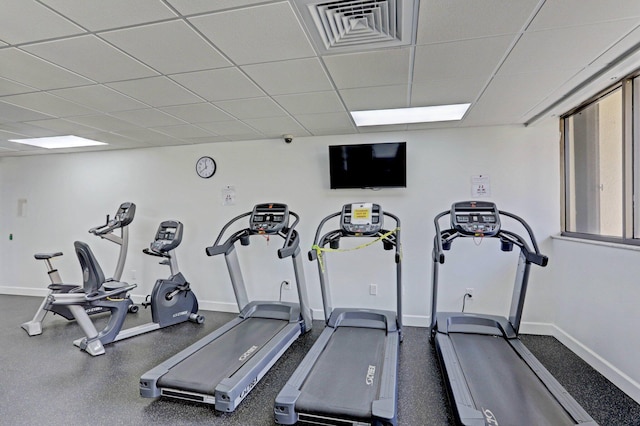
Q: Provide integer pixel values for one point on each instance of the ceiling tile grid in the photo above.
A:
(160, 72)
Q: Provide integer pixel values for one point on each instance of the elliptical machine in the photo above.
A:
(121, 220)
(171, 299)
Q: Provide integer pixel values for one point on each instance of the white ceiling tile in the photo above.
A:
(8, 87)
(449, 91)
(198, 113)
(320, 124)
(103, 122)
(26, 129)
(156, 91)
(220, 84)
(448, 20)
(386, 67)
(48, 104)
(277, 126)
(188, 7)
(62, 126)
(286, 77)
(498, 106)
(183, 131)
(207, 139)
(149, 117)
(23, 21)
(231, 128)
(22, 67)
(91, 57)
(380, 97)
(100, 98)
(567, 48)
(99, 15)
(168, 47)
(148, 136)
(251, 108)
(310, 103)
(460, 59)
(567, 13)
(257, 34)
(10, 113)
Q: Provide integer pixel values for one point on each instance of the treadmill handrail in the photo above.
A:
(291, 238)
(533, 256)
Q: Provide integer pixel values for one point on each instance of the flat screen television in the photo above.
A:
(380, 165)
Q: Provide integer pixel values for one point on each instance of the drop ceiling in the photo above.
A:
(148, 73)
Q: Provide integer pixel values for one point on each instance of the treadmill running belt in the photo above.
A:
(500, 381)
(345, 379)
(203, 370)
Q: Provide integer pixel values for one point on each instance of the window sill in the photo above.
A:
(597, 243)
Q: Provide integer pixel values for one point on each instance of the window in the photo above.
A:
(599, 166)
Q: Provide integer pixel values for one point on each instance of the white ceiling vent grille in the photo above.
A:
(348, 25)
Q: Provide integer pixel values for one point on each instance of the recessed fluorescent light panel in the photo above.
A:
(381, 117)
(56, 142)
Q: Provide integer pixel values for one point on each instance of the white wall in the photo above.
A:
(582, 297)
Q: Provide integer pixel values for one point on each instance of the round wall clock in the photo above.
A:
(205, 167)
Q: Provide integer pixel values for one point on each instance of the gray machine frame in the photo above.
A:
(121, 220)
(380, 404)
(220, 350)
(456, 333)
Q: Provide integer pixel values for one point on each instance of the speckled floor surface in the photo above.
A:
(46, 380)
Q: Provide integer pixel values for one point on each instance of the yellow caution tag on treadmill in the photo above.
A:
(362, 213)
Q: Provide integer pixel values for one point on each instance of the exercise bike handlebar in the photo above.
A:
(154, 253)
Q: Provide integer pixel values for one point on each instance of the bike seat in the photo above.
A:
(42, 256)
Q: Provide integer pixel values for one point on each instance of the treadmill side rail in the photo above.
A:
(230, 392)
(574, 409)
(149, 380)
(285, 412)
(385, 407)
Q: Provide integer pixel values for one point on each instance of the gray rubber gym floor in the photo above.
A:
(46, 380)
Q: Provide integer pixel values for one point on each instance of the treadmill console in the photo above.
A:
(475, 218)
(361, 218)
(168, 237)
(269, 218)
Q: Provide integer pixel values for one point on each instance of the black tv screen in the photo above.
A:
(380, 165)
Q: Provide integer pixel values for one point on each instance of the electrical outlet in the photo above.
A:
(373, 289)
(133, 274)
(286, 285)
(469, 291)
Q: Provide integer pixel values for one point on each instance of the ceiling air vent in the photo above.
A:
(350, 25)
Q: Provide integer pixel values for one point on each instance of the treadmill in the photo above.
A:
(491, 377)
(223, 367)
(350, 375)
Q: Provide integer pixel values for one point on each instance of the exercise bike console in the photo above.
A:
(475, 218)
(168, 237)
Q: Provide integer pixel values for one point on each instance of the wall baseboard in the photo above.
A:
(604, 367)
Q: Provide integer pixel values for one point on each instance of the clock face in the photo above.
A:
(205, 167)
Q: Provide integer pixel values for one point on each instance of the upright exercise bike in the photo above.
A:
(121, 221)
(171, 300)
